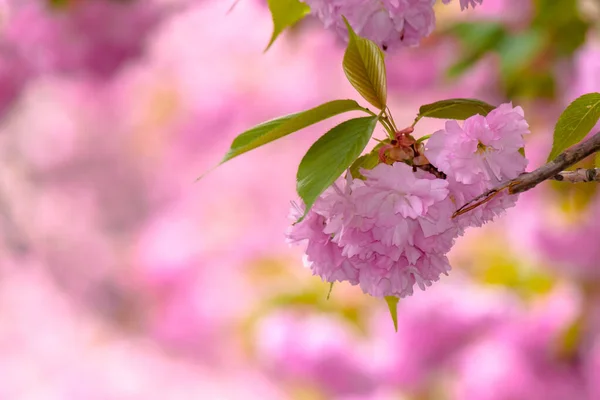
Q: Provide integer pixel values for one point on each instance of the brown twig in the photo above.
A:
(555, 170)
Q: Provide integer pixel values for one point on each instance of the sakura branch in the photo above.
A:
(554, 170)
(384, 218)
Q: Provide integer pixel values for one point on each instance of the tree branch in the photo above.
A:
(552, 170)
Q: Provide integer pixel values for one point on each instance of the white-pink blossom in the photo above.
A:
(484, 149)
(479, 156)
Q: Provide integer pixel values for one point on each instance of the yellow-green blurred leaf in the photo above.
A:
(568, 342)
(497, 266)
(392, 303)
(330, 289)
(285, 13)
(572, 200)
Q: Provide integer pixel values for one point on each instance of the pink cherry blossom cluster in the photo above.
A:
(393, 229)
(389, 23)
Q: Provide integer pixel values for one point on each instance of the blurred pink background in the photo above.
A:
(123, 278)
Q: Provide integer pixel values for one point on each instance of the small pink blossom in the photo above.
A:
(484, 149)
(479, 156)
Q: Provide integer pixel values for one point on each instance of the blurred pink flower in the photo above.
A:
(13, 76)
(571, 248)
(125, 154)
(315, 349)
(75, 39)
(520, 359)
(38, 39)
(54, 349)
(186, 110)
(389, 23)
(433, 328)
(421, 74)
(587, 67)
(592, 368)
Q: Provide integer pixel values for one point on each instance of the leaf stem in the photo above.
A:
(422, 138)
(388, 113)
(417, 119)
(387, 125)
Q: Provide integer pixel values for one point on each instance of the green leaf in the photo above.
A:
(285, 14)
(392, 303)
(455, 109)
(575, 122)
(330, 156)
(364, 67)
(283, 126)
(367, 161)
(597, 160)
